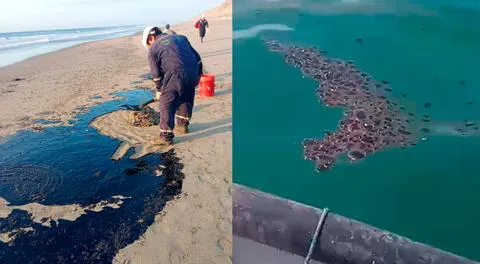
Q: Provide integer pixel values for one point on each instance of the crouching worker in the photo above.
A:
(176, 68)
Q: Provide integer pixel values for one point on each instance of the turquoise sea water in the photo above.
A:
(427, 50)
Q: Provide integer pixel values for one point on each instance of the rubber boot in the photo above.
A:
(162, 141)
(181, 129)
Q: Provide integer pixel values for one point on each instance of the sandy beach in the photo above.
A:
(196, 227)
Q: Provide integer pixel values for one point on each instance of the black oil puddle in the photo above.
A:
(72, 165)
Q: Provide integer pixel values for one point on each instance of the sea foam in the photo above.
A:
(255, 30)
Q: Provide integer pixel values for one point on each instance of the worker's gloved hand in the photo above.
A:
(158, 84)
(157, 95)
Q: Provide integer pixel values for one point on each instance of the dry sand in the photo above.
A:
(193, 229)
(224, 10)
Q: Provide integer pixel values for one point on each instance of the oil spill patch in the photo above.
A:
(69, 165)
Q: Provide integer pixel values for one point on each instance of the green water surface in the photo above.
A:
(429, 192)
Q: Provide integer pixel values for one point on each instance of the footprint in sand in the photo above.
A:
(194, 230)
(224, 245)
(176, 257)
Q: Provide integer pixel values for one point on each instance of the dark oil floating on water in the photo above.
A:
(469, 123)
(328, 132)
(372, 122)
(425, 130)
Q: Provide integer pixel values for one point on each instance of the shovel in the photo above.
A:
(137, 107)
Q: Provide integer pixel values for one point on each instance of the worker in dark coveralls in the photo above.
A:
(176, 69)
(202, 26)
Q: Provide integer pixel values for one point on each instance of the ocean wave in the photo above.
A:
(16, 44)
(253, 31)
(21, 40)
(82, 35)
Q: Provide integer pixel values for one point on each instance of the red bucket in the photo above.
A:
(206, 85)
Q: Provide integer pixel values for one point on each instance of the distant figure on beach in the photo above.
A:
(176, 69)
(202, 25)
(168, 31)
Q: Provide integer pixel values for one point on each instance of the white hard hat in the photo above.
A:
(146, 33)
(149, 31)
(202, 16)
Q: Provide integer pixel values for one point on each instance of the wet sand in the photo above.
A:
(193, 229)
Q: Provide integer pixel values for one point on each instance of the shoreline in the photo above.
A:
(138, 33)
(69, 47)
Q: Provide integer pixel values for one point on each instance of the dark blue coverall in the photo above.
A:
(178, 66)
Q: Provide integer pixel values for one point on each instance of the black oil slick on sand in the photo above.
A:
(71, 165)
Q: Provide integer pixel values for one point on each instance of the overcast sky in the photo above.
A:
(26, 15)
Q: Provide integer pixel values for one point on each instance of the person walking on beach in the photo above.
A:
(176, 68)
(168, 31)
(202, 25)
